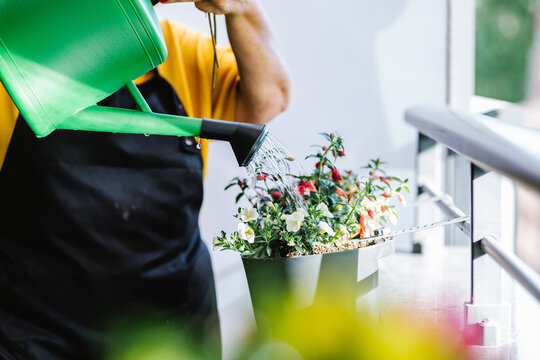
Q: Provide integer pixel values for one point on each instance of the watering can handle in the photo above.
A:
(137, 96)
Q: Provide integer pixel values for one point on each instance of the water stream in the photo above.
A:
(276, 161)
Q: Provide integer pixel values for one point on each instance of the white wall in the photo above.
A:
(356, 65)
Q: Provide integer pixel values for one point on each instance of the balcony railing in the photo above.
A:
(496, 150)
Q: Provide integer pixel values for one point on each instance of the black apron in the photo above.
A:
(97, 226)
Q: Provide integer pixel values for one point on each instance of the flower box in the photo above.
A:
(351, 276)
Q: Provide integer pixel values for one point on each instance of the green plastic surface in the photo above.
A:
(58, 58)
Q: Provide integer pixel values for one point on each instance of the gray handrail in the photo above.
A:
(489, 143)
(513, 265)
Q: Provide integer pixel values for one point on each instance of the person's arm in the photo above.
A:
(264, 81)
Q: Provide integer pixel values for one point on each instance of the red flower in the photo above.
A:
(341, 153)
(310, 185)
(383, 208)
(317, 165)
(363, 232)
(386, 195)
(340, 192)
(324, 148)
(371, 213)
(336, 176)
(306, 187)
(261, 176)
(362, 221)
(276, 195)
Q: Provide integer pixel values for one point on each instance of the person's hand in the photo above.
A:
(219, 7)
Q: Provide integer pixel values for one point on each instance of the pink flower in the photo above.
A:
(261, 176)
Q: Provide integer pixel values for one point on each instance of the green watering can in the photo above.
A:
(59, 58)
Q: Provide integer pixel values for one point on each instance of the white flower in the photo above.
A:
(294, 221)
(324, 210)
(248, 214)
(392, 217)
(326, 228)
(246, 233)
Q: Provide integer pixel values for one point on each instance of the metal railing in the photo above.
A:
(494, 148)
(489, 143)
(514, 265)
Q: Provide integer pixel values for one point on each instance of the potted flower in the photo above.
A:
(300, 234)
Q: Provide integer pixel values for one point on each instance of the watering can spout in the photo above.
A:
(245, 139)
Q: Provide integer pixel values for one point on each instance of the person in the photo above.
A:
(97, 226)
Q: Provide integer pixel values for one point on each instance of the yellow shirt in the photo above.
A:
(188, 69)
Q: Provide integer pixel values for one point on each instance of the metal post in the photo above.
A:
(486, 313)
(458, 187)
(429, 169)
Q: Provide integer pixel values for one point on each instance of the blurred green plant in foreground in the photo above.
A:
(322, 331)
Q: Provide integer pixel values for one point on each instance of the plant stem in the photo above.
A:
(321, 164)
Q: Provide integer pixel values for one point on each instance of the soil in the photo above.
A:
(319, 248)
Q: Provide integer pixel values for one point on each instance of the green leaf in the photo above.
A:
(230, 185)
(238, 197)
(326, 136)
(268, 251)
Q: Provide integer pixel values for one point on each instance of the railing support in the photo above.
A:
(429, 169)
(487, 313)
